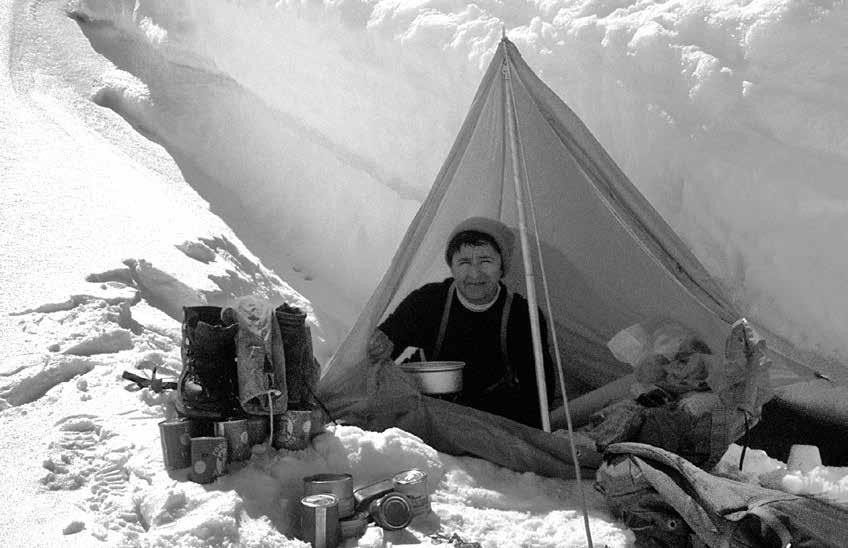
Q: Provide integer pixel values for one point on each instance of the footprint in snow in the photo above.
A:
(82, 455)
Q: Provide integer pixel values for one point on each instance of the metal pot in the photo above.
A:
(439, 377)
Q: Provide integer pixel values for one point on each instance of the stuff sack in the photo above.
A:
(668, 501)
(208, 386)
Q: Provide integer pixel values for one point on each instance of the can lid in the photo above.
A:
(410, 476)
(320, 500)
(393, 511)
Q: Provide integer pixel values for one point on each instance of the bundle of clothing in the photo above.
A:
(686, 399)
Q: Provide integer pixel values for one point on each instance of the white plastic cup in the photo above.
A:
(803, 458)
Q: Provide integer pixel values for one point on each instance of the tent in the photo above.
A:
(609, 258)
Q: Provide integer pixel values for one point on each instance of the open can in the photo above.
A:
(319, 520)
(340, 485)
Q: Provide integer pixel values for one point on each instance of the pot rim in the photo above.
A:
(433, 366)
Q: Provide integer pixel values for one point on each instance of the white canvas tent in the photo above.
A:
(610, 259)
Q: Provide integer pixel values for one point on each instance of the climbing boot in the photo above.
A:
(208, 386)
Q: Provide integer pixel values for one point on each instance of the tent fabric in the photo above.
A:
(610, 259)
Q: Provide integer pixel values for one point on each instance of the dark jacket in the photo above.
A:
(475, 338)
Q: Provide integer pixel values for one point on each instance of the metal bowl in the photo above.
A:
(439, 377)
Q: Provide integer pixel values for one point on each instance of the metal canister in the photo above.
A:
(413, 484)
(366, 494)
(355, 525)
(319, 520)
(391, 511)
(257, 429)
(208, 458)
(340, 485)
(292, 430)
(235, 432)
(175, 435)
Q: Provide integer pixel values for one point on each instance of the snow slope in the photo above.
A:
(103, 244)
(151, 152)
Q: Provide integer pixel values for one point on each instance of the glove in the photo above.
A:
(380, 347)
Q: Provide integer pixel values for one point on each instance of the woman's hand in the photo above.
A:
(380, 347)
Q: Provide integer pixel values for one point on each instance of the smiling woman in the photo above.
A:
(477, 268)
(472, 317)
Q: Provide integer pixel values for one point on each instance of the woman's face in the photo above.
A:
(477, 270)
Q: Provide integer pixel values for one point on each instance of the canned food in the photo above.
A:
(413, 484)
(355, 525)
(391, 511)
(175, 435)
(340, 485)
(235, 432)
(208, 458)
(319, 520)
(293, 430)
(257, 429)
(366, 494)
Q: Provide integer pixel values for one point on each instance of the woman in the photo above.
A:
(473, 317)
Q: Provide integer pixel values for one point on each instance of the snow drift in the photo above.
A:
(728, 117)
(308, 133)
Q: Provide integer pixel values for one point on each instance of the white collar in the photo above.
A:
(478, 307)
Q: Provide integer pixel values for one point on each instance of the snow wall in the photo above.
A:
(314, 129)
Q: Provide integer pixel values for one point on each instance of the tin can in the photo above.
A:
(258, 428)
(366, 494)
(355, 525)
(175, 435)
(293, 430)
(391, 511)
(235, 432)
(319, 520)
(208, 458)
(340, 485)
(413, 484)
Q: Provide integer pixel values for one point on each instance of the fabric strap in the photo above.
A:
(510, 372)
(443, 327)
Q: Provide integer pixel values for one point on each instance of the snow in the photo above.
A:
(161, 154)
